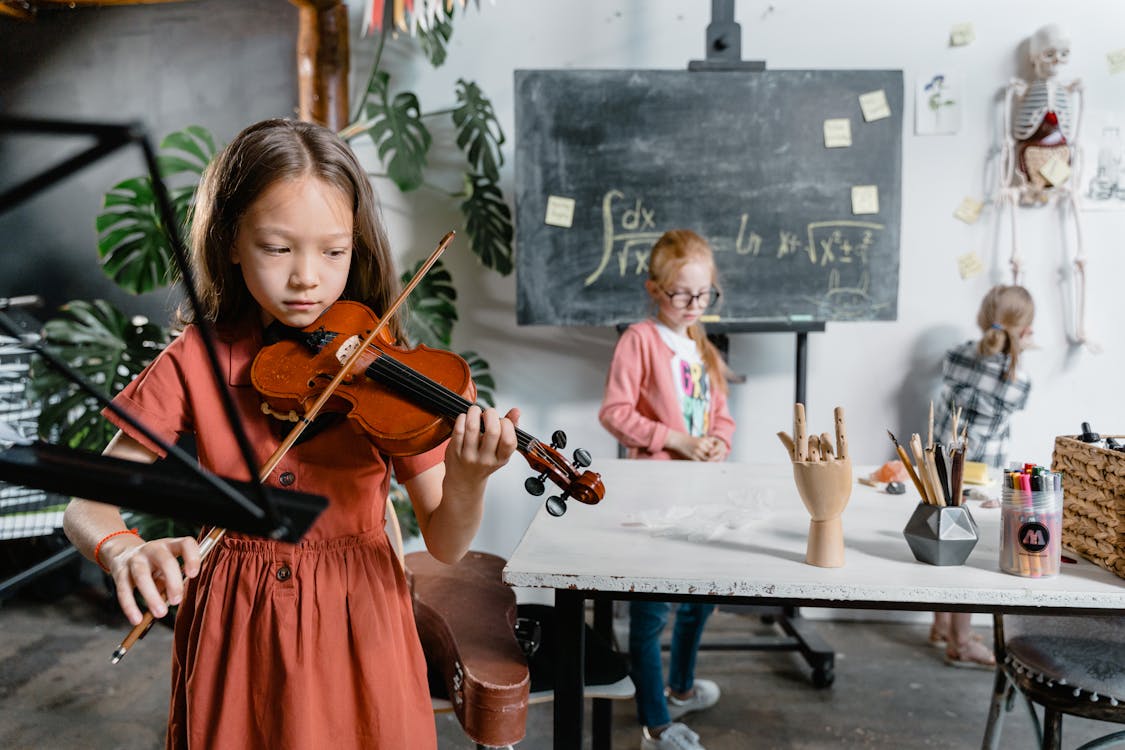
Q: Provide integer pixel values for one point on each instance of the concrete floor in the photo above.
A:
(58, 690)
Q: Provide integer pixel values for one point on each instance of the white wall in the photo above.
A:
(882, 373)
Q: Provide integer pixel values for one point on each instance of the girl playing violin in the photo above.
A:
(281, 645)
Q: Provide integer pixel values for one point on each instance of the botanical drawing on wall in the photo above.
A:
(937, 104)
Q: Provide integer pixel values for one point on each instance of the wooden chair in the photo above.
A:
(1067, 665)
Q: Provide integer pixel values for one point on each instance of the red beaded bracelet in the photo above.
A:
(107, 537)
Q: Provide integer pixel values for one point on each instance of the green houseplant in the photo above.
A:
(111, 347)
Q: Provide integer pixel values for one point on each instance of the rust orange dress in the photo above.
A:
(280, 645)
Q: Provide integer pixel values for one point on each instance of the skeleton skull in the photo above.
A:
(1048, 48)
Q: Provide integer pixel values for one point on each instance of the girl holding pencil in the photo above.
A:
(983, 382)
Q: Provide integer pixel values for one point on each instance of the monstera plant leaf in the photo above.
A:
(397, 130)
(482, 377)
(478, 131)
(432, 309)
(435, 39)
(432, 315)
(108, 348)
(488, 222)
(132, 239)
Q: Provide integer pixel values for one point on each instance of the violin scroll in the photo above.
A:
(585, 487)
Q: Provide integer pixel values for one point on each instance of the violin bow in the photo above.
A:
(215, 534)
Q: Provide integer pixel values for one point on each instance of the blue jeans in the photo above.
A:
(646, 623)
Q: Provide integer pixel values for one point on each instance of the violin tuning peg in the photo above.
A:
(556, 506)
(558, 439)
(582, 458)
(534, 486)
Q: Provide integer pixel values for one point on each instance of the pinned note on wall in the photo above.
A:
(969, 210)
(961, 34)
(865, 199)
(837, 133)
(969, 265)
(874, 105)
(1116, 60)
(560, 211)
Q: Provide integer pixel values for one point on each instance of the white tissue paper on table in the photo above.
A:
(710, 521)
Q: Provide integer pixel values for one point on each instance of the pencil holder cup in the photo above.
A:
(1031, 532)
(941, 535)
(825, 488)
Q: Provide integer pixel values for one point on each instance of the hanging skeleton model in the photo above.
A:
(1041, 153)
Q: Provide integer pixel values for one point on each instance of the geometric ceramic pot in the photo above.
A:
(941, 535)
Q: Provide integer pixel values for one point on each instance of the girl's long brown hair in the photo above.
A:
(674, 250)
(259, 156)
(1005, 313)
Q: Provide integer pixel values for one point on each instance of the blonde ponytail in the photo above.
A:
(1005, 313)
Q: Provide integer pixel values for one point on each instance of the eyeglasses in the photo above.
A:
(683, 300)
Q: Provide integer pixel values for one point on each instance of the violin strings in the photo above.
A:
(441, 398)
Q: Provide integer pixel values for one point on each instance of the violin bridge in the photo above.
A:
(347, 348)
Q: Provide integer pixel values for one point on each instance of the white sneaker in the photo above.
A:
(675, 737)
(704, 695)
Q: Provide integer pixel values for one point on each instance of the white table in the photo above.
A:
(614, 551)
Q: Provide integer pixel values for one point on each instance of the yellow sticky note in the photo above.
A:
(838, 133)
(1056, 171)
(969, 210)
(961, 34)
(560, 211)
(874, 105)
(969, 265)
(865, 199)
(1116, 60)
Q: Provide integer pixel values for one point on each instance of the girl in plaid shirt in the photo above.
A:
(984, 381)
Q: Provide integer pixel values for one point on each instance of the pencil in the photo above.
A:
(909, 467)
(930, 439)
(931, 470)
(920, 459)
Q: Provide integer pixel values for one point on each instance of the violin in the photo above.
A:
(404, 400)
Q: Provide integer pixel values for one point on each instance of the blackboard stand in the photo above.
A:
(718, 333)
(724, 42)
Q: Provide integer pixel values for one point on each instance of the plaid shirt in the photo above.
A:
(987, 400)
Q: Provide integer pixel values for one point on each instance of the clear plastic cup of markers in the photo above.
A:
(1031, 532)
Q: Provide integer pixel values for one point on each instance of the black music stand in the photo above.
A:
(177, 487)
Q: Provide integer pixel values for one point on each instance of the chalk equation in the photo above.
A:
(842, 247)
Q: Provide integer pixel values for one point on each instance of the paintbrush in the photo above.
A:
(943, 475)
(957, 475)
(909, 467)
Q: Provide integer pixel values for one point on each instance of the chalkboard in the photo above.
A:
(737, 156)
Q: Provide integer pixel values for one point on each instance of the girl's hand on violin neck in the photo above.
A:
(153, 570)
(482, 442)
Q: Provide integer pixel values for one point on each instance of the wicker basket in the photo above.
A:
(1094, 510)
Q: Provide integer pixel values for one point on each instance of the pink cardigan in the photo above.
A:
(640, 403)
